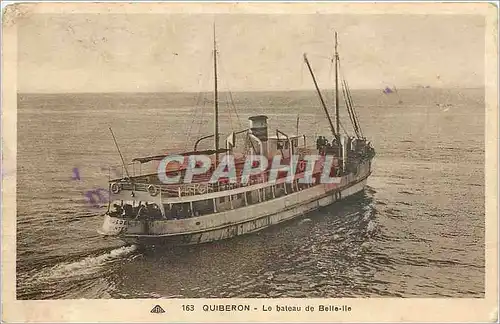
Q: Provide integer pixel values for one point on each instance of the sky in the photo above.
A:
(60, 53)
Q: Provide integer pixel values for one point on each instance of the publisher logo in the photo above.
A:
(157, 310)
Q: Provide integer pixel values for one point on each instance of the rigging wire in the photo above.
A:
(348, 109)
(350, 103)
(234, 107)
(347, 102)
(238, 118)
(331, 60)
(201, 119)
(201, 96)
(230, 94)
(342, 126)
(356, 119)
(228, 104)
(225, 87)
(354, 110)
(193, 113)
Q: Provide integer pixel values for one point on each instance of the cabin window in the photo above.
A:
(203, 207)
(249, 197)
(222, 199)
(136, 210)
(179, 211)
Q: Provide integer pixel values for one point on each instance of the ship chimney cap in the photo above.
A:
(258, 117)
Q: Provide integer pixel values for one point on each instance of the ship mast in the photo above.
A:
(332, 128)
(337, 117)
(216, 106)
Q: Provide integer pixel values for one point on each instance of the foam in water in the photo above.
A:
(371, 227)
(85, 266)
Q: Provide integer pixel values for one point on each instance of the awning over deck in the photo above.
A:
(161, 157)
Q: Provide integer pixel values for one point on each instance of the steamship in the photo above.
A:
(144, 210)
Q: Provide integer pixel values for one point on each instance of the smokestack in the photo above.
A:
(258, 128)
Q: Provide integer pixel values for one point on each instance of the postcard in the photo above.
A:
(249, 162)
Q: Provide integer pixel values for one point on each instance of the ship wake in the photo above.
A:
(86, 267)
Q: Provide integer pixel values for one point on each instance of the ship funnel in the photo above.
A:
(258, 128)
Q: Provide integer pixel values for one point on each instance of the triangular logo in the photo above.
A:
(157, 310)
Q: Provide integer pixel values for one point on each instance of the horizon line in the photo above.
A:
(245, 91)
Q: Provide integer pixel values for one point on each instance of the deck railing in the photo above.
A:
(191, 189)
(119, 176)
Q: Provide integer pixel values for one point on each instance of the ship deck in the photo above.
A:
(201, 183)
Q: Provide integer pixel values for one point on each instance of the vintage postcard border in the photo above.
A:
(367, 310)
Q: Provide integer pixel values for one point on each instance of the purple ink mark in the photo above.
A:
(91, 196)
(387, 90)
(76, 174)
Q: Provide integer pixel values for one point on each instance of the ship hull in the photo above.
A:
(283, 211)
